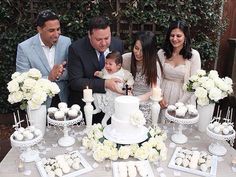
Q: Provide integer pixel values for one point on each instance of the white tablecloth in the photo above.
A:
(195, 139)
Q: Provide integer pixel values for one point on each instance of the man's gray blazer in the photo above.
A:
(30, 54)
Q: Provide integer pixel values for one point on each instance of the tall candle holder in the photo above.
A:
(155, 110)
(89, 111)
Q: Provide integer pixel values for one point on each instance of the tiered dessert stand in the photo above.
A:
(179, 137)
(66, 140)
(216, 147)
(28, 155)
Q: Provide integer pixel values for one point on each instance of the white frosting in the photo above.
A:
(121, 126)
(125, 106)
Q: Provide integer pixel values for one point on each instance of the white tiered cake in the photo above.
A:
(121, 129)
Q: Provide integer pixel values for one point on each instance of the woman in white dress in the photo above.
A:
(145, 67)
(179, 62)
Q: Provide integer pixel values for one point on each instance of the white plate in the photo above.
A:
(194, 171)
(144, 163)
(86, 168)
(141, 136)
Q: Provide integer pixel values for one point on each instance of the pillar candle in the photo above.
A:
(156, 93)
(87, 94)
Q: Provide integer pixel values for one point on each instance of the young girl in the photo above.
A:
(112, 69)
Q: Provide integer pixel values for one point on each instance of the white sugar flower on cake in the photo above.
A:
(137, 118)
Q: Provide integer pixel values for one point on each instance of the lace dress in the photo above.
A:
(141, 88)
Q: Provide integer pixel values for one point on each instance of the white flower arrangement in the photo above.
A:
(30, 89)
(152, 149)
(209, 87)
(137, 118)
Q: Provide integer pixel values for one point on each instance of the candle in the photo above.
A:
(15, 118)
(156, 93)
(87, 94)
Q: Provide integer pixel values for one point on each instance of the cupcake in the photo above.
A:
(193, 112)
(62, 105)
(51, 111)
(76, 107)
(72, 114)
(59, 115)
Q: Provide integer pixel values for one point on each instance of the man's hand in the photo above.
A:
(57, 71)
(163, 103)
(112, 84)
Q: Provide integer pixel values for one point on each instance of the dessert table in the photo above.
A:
(50, 148)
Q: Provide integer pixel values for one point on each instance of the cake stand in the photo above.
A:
(216, 147)
(179, 137)
(66, 140)
(28, 155)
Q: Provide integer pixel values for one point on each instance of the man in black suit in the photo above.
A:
(86, 56)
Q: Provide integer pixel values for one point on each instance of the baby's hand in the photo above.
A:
(96, 73)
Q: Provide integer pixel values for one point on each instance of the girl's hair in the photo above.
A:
(150, 57)
(167, 46)
(116, 56)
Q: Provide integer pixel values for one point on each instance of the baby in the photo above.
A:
(113, 69)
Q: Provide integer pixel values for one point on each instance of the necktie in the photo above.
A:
(101, 60)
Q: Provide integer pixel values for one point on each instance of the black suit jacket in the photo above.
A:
(82, 63)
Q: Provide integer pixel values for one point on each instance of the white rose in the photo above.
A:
(200, 92)
(53, 87)
(15, 75)
(209, 84)
(114, 154)
(152, 132)
(201, 72)
(34, 73)
(86, 142)
(109, 143)
(98, 134)
(17, 96)
(152, 142)
(98, 155)
(137, 118)
(213, 74)
(160, 145)
(13, 86)
(39, 97)
(221, 84)
(153, 155)
(196, 85)
(124, 152)
(215, 94)
(203, 80)
(10, 99)
(28, 84)
(141, 153)
(133, 148)
(203, 101)
(194, 78)
(228, 81)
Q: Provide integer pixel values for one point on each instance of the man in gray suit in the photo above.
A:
(47, 51)
(86, 56)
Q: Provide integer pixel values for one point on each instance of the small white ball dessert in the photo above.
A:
(171, 108)
(211, 126)
(76, 107)
(51, 111)
(226, 131)
(72, 114)
(62, 105)
(37, 132)
(59, 115)
(19, 137)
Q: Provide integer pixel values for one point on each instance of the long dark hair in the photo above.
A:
(150, 57)
(167, 46)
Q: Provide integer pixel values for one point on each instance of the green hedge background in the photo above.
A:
(17, 24)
